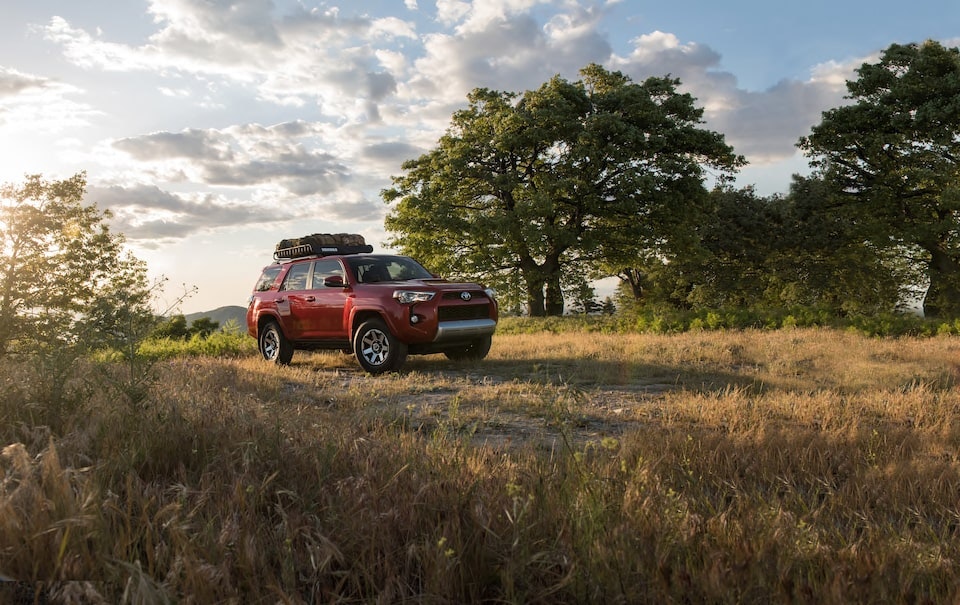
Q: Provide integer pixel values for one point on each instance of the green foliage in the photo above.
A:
(584, 299)
(216, 344)
(59, 260)
(790, 251)
(606, 324)
(665, 319)
(175, 327)
(535, 194)
(67, 286)
(891, 156)
(204, 326)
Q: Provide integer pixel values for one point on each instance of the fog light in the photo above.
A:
(414, 319)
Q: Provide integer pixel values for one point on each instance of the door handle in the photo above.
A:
(311, 298)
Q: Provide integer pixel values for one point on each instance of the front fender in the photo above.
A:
(397, 318)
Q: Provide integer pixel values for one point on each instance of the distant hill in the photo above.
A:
(222, 315)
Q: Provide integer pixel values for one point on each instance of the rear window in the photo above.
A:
(267, 278)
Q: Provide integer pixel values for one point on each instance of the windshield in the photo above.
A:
(370, 269)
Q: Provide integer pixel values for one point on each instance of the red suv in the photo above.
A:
(379, 306)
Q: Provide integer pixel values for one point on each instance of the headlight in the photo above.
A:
(491, 293)
(409, 297)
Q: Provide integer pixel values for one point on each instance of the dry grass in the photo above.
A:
(794, 466)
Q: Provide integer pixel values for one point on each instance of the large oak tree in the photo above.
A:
(544, 190)
(893, 154)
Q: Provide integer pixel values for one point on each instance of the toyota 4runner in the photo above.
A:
(381, 307)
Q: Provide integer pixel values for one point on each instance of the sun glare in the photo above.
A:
(14, 163)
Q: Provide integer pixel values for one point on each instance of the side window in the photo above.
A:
(323, 269)
(267, 278)
(296, 278)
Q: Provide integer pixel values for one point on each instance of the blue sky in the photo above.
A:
(214, 128)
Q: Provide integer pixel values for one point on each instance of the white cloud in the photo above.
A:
(391, 27)
(483, 14)
(13, 82)
(379, 91)
(88, 52)
(173, 92)
(30, 103)
(526, 55)
(836, 74)
(146, 212)
(764, 126)
(393, 62)
(290, 59)
(452, 11)
(201, 25)
(242, 156)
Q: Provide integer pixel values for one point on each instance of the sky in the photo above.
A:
(212, 129)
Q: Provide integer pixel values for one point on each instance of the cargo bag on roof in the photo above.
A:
(322, 244)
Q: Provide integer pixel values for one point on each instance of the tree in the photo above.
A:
(823, 256)
(893, 155)
(738, 239)
(549, 189)
(204, 327)
(63, 275)
(798, 249)
(608, 307)
(585, 300)
(174, 327)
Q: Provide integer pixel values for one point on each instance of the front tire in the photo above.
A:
(377, 349)
(273, 345)
(475, 351)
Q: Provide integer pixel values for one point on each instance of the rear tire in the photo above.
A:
(273, 345)
(475, 351)
(377, 349)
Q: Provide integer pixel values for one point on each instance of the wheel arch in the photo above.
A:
(266, 318)
(359, 317)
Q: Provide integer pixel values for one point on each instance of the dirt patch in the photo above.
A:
(496, 410)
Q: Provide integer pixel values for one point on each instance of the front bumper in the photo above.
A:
(466, 329)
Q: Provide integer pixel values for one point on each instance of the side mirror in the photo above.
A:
(334, 281)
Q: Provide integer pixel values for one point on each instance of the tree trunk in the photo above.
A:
(634, 277)
(540, 278)
(943, 295)
(8, 310)
(554, 298)
(535, 298)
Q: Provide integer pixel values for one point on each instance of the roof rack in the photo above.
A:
(321, 244)
(304, 250)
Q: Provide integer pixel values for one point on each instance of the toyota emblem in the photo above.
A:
(465, 296)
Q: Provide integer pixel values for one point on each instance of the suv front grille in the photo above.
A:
(476, 294)
(459, 312)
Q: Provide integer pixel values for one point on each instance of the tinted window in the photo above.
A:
(371, 269)
(296, 278)
(267, 278)
(323, 269)
(403, 269)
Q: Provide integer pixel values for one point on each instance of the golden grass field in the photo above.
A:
(794, 466)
